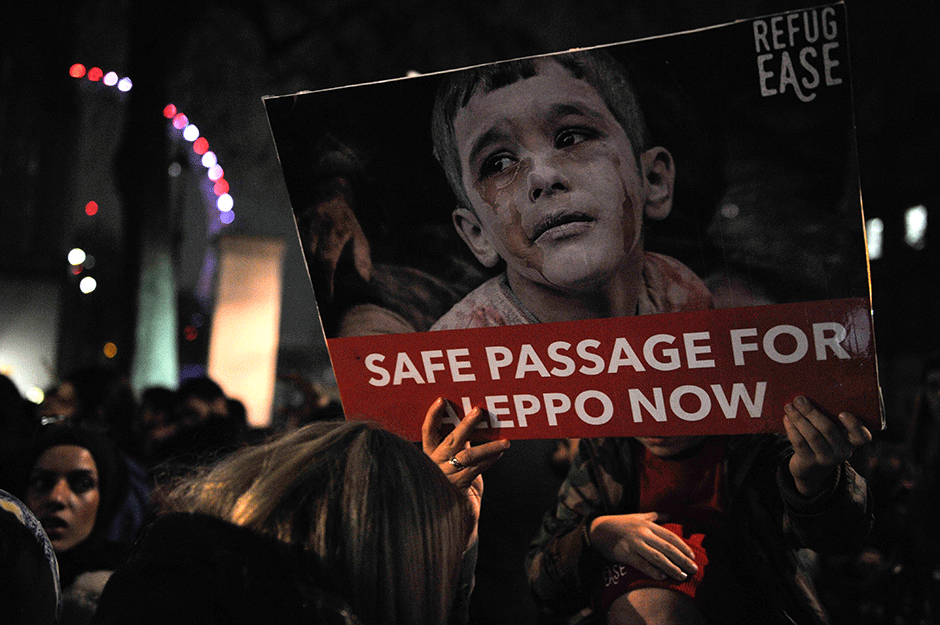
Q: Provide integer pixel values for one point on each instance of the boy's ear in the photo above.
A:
(473, 234)
(659, 174)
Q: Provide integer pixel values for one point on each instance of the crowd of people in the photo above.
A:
(171, 509)
(87, 461)
(178, 512)
(208, 521)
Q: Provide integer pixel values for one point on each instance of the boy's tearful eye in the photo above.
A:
(572, 136)
(496, 164)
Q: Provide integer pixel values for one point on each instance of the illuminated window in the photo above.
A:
(875, 234)
(915, 227)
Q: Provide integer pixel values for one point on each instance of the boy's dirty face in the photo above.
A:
(552, 179)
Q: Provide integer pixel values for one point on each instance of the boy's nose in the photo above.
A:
(546, 178)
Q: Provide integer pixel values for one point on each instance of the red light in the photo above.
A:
(190, 333)
(76, 269)
(200, 145)
(180, 121)
(91, 208)
(77, 70)
(221, 186)
(95, 74)
(169, 111)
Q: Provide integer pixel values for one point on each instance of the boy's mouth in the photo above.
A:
(559, 221)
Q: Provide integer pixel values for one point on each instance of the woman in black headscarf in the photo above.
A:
(74, 482)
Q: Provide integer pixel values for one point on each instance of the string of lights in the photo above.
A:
(80, 262)
(222, 199)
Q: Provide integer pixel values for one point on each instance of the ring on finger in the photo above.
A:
(457, 464)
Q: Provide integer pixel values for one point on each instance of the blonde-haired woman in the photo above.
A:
(334, 522)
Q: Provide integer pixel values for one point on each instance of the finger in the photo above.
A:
(673, 544)
(796, 439)
(663, 564)
(479, 458)
(458, 439)
(431, 427)
(841, 436)
(644, 566)
(856, 431)
(815, 429)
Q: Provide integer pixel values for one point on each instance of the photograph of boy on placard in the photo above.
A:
(343, 200)
(614, 182)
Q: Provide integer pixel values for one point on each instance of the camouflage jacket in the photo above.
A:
(780, 531)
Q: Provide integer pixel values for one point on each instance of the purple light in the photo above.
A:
(110, 79)
(215, 172)
(227, 217)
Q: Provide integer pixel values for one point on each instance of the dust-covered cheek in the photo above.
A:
(615, 186)
(500, 197)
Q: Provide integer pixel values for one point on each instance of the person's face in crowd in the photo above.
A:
(156, 424)
(63, 494)
(554, 186)
(62, 403)
(669, 446)
(194, 410)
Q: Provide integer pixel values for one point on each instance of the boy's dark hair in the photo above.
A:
(595, 67)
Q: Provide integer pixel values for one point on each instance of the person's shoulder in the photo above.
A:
(489, 305)
(671, 287)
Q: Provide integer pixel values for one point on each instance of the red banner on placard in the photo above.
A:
(725, 371)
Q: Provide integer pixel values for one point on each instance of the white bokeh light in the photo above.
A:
(225, 203)
(209, 159)
(35, 395)
(191, 132)
(76, 256)
(87, 285)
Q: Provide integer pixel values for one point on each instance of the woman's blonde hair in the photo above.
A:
(378, 522)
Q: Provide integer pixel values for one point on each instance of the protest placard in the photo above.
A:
(654, 238)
